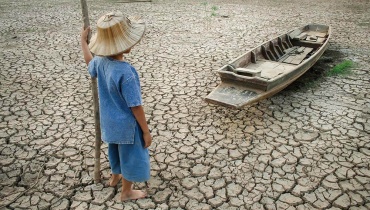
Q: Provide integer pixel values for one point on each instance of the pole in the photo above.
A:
(94, 87)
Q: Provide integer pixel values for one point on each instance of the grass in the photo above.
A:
(213, 9)
(342, 68)
(205, 6)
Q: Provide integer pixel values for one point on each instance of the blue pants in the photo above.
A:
(130, 160)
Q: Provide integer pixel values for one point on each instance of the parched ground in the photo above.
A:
(307, 147)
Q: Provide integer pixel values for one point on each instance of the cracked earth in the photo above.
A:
(307, 147)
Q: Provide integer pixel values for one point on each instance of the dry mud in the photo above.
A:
(307, 147)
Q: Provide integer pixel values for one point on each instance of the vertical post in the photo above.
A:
(94, 87)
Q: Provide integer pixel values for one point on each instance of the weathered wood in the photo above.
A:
(289, 59)
(301, 36)
(273, 51)
(286, 54)
(247, 72)
(94, 88)
(316, 33)
(85, 17)
(289, 42)
(300, 50)
(271, 73)
(253, 57)
(280, 43)
(295, 33)
(299, 58)
(311, 38)
(279, 50)
(259, 78)
(230, 95)
(320, 40)
(270, 55)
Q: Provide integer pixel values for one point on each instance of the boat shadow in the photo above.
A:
(317, 73)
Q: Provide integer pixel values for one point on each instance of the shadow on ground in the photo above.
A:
(317, 72)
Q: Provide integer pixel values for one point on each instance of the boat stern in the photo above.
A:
(231, 95)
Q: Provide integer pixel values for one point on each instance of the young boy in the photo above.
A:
(122, 118)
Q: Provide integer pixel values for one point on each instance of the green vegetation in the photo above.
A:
(342, 68)
(214, 9)
(205, 4)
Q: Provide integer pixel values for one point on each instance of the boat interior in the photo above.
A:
(278, 56)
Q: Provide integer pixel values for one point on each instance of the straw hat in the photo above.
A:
(116, 33)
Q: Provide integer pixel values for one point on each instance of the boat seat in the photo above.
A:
(314, 37)
(270, 69)
(276, 69)
(296, 56)
(248, 72)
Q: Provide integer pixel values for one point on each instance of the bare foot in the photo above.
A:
(132, 195)
(114, 179)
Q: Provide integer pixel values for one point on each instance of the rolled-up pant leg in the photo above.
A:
(114, 160)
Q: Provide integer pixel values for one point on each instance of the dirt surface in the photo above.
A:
(307, 147)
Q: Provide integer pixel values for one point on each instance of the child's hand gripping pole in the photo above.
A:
(84, 45)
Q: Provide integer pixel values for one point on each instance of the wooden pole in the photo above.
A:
(94, 87)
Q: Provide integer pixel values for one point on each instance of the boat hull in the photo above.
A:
(236, 91)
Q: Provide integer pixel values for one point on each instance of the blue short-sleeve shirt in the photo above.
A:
(119, 89)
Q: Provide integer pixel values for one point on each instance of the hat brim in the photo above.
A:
(119, 43)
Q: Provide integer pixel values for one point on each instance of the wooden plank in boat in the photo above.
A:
(311, 38)
(320, 40)
(289, 59)
(300, 50)
(295, 33)
(286, 53)
(271, 69)
(301, 36)
(231, 95)
(297, 59)
(289, 56)
(247, 71)
(316, 33)
(315, 39)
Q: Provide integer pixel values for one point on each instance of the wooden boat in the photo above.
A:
(270, 67)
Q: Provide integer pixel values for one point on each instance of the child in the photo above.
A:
(122, 118)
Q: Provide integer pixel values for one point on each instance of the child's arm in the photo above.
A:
(139, 114)
(85, 48)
